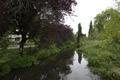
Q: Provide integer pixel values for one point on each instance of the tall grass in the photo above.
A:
(104, 59)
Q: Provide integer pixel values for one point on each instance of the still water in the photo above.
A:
(68, 65)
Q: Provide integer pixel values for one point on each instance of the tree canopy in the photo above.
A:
(107, 28)
(28, 17)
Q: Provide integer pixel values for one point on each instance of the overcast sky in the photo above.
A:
(85, 11)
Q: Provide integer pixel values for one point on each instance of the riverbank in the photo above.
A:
(67, 65)
(103, 60)
(11, 59)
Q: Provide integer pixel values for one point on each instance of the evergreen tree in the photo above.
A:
(90, 30)
(79, 34)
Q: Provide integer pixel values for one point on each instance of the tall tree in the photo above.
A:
(79, 34)
(90, 29)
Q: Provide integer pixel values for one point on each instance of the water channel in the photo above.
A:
(68, 65)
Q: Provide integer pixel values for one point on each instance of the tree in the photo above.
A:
(90, 30)
(29, 16)
(101, 20)
(55, 34)
(3, 18)
(79, 34)
(110, 29)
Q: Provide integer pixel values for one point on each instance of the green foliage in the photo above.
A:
(38, 22)
(79, 34)
(32, 56)
(106, 24)
(4, 41)
(103, 49)
(28, 17)
(102, 60)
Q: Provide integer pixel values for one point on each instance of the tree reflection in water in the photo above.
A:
(79, 57)
(54, 68)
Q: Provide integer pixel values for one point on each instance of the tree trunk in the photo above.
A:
(22, 43)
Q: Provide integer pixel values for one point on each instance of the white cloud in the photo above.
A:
(86, 10)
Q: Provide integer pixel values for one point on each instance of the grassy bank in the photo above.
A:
(103, 60)
(11, 59)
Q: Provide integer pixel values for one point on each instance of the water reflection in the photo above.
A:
(79, 57)
(65, 66)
